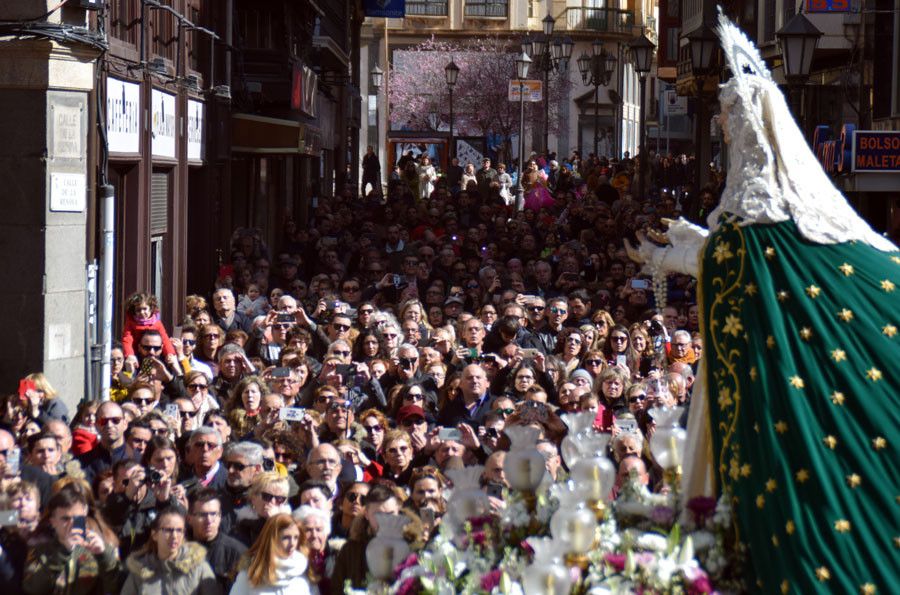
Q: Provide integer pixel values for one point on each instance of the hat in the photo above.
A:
(288, 259)
(408, 411)
(580, 373)
(453, 299)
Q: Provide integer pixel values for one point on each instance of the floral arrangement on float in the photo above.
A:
(568, 537)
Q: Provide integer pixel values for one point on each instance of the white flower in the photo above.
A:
(664, 569)
(652, 541)
(703, 540)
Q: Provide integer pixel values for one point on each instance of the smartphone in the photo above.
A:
(494, 490)
(345, 370)
(449, 434)
(281, 372)
(292, 414)
(146, 367)
(640, 284)
(289, 318)
(427, 516)
(621, 360)
(13, 461)
(530, 353)
(626, 425)
(172, 411)
(9, 518)
(473, 353)
(395, 279)
(80, 523)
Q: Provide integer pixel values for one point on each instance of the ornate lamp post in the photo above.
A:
(377, 76)
(703, 46)
(523, 63)
(451, 73)
(597, 70)
(553, 54)
(798, 40)
(642, 56)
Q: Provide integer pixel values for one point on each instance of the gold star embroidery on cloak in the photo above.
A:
(837, 398)
(895, 259)
(725, 398)
(873, 374)
(770, 342)
(781, 426)
(750, 289)
(847, 269)
(842, 526)
(845, 315)
(897, 542)
(770, 252)
(838, 355)
(823, 574)
(797, 382)
(830, 441)
(775, 541)
(802, 476)
(732, 325)
(813, 291)
(806, 333)
(853, 480)
(888, 286)
(753, 373)
(879, 443)
(785, 587)
(789, 527)
(760, 501)
(722, 252)
(782, 296)
(867, 589)
(771, 485)
(745, 470)
(889, 330)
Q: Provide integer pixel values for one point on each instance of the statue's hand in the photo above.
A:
(643, 252)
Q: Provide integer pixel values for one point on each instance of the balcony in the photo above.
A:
(481, 9)
(426, 8)
(598, 20)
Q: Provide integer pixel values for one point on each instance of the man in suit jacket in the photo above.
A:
(473, 403)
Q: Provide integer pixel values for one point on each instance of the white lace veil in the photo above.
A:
(773, 175)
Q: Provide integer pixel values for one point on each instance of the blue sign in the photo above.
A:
(876, 151)
(391, 9)
(827, 5)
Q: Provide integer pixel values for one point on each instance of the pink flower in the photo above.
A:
(662, 515)
(617, 561)
(491, 580)
(700, 585)
(410, 586)
(411, 560)
(479, 538)
(480, 521)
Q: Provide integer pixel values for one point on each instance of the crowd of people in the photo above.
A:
(340, 375)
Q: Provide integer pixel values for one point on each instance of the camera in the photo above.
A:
(153, 476)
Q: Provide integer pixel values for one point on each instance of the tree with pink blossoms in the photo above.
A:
(481, 106)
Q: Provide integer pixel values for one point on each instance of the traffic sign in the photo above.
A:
(533, 90)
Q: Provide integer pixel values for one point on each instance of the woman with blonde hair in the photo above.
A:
(42, 400)
(266, 497)
(274, 563)
(414, 310)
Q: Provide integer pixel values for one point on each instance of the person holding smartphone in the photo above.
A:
(75, 557)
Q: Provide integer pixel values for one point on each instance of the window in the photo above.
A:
(164, 36)
(672, 34)
(487, 8)
(431, 8)
(125, 21)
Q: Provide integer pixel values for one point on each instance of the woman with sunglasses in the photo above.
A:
(410, 394)
(275, 563)
(197, 385)
(210, 338)
(619, 351)
(267, 497)
(570, 348)
(603, 322)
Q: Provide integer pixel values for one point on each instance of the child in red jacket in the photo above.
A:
(141, 315)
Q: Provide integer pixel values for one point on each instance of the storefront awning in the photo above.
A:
(273, 136)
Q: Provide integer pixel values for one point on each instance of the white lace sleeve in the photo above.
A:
(682, 256)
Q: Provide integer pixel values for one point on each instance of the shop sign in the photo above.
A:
(876, 151)
(304, 86)
(123, 109)
(827, 5)
(531, 89)
(163, 128)
(196, 145)
(391, 9)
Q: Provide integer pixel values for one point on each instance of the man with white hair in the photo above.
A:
(205, 449)
(324, 464)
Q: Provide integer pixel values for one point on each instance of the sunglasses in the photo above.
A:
(109, 420)
(152, 348)
(618, 339)
(283, 325)
(140, 402)
(197, 386)
(354, 497)
(535, 308)
(340, 353)
(341, 327)
(558, 310)
(188, 342)
(373, 429)
(414, 397)
(237, 466)
(324, 399)
(593, 362)
(636, 398)
(188, 414)
(504, 411)
(407, 362)
(366, 311)
(270, 498)
(339, 406)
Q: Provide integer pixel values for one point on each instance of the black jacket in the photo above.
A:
(223, 554)
(455, 413)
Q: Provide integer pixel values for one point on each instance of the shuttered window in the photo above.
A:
(159, 203)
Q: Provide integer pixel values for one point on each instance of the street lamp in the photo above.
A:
(451, 73)
(798, 40)
(377, 75)
(596, 70)
(553, 54)
(523, 63)
(703, 44)
(642, 58)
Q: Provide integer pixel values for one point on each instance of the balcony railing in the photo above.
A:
(428, 8)
(602, 20)
(487, 9)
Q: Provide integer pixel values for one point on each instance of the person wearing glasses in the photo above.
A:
(619, 351)
(186, 349)
(555, 316)
(204, 449)
(197, 385)
(205, 520)
(267, 497)
(324, 463)
(243, 463)
(169, 563)
(110, 448)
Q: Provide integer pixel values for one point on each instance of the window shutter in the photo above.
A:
(159, 203)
